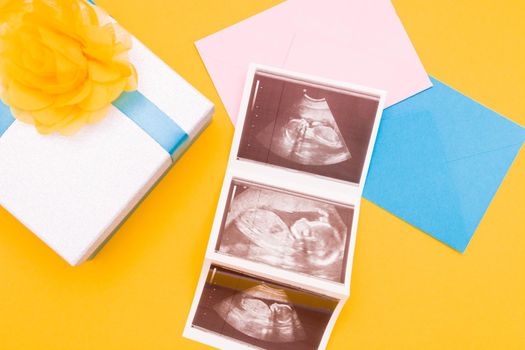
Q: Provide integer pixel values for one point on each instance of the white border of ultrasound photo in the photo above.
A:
(286, 75)
(220, 341)
(321, 187)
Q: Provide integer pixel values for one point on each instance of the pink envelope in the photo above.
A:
(358, 41)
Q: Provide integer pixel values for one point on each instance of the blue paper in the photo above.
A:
(438, 161)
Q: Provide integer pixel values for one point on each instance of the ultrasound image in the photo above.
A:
(308, 127)
(286, 230)
(262, 313)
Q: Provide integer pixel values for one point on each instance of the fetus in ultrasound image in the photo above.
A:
(286, 230)
(262, 313)
(310, 136)
(308, 127)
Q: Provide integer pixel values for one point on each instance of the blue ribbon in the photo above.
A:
(157, 124)
(152, 120)
(6, 119)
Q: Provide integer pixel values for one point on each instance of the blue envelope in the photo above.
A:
(438, 161)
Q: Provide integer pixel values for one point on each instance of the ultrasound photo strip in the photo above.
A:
(285, 227)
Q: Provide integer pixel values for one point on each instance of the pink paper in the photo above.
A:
(361, 42)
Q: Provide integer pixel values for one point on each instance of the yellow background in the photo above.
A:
(408, 290)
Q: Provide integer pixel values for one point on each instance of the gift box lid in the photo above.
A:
(74, 191)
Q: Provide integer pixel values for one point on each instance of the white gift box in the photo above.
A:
(73, 192)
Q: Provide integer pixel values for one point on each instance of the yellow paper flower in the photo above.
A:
(62, 64)
(8, 9)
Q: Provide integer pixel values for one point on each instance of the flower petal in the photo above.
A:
(133, 83)
(75, 124)
(74, 97)
(39, 60)
(65, 45)
(25, 98)
(99, 42)
(115, 89)
(103, 73)
(97, 99)
(52, 116)
(23, 116)
(96, 116)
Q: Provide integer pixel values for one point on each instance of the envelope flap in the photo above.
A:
(477, 179)
(467, 127)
